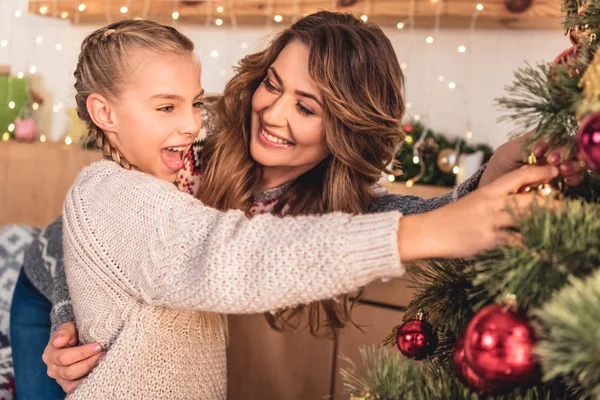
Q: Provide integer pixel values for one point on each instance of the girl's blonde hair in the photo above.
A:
(102, 67)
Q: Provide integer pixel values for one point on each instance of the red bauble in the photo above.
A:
(565, 58)
(416, 339)
(407, 128)
(498, 346)
(467, 376)
(588, 140)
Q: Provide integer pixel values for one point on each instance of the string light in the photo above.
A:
(400, 25)
(278, 18)
(35, 106)
(11, 127)
(456, 170)
(11, 105)
(64, 15)
(244, 45)
(5, 136)
(219, 22)
(214, 54)
(462, 49)
(408, 139)
(57, 107)
(58, 46)
(68, 140)
(4, 43)
(124, 10)
(469, 134)
(175, 15)
(479, 7)
(219, 9)
(441, 78)
(417, 117)
(20, 74)
(81, 7)
(364, 18)
(18, 13)
(429, 39)
(452, 85)
(415, 159)
(410, 183)
(39, 39)
(43, 9)
(43, 138)
(32, 69)
(391, 178)
(403, 66)
(408, 105)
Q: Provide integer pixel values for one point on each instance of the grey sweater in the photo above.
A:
(43, 263)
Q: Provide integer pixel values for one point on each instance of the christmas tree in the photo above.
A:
(523, 321)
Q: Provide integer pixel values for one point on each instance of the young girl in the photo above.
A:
(190, 257)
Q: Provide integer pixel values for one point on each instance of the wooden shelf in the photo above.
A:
(543, 14)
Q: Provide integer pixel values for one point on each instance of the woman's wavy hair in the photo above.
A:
(355, 66)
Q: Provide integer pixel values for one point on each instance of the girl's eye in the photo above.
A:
(166, 109)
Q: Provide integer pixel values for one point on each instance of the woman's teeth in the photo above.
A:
(273, 139)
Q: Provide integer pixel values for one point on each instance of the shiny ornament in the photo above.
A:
(498, 347)
(517, 6)
(427, 149)
(447, 160)
(465, 373)
(588, 140)
(553, 189)
(567, 57)
(416, 338)
(407, 128)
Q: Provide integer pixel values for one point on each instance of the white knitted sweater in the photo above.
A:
(150, 269)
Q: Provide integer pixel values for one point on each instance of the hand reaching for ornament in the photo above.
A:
(509, 157)
(475, 223)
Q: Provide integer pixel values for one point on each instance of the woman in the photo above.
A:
(294, 115)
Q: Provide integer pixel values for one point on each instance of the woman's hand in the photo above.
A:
(67, 362)
(510, 156)
(473, 224)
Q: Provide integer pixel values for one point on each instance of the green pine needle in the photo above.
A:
(569, 326)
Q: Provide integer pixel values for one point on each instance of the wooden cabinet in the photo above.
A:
(35, 178)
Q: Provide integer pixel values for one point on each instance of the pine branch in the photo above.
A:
(556, 245)
(441, 293)
(570, 344)
(387, 375)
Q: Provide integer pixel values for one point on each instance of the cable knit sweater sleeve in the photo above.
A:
(143, 236)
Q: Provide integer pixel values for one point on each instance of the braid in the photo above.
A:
(102, 65)
(97, 135)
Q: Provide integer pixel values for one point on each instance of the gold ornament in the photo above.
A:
(447, 160)
(553, 188)
(590, 83)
